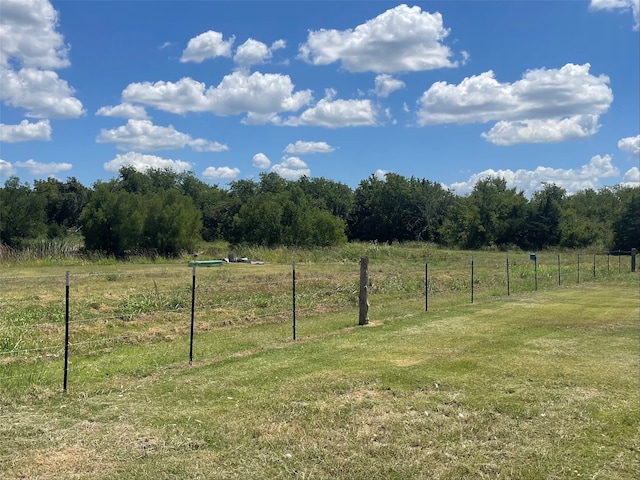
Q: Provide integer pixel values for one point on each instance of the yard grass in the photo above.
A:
(536, 385)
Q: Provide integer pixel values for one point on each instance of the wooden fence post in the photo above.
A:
(364, 291)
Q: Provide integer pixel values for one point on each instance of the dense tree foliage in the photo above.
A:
(141, 212)
(22, 213)
(163, 212)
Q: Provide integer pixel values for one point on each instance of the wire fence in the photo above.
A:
(82, 328)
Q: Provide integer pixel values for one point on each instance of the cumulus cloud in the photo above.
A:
(542, 131)
(209, 44)
(291, 168)
(572, 180)
(260, 160)
(546, 105)
(631, 177)
(633, 5)
(41, 92)
(6, 168)
(142, 135)
(221, 173)
(237, 93)
(331, 113)
(28, 34)
(631, 145)
(380, 174)
(25, 131)
(305, 148)
(398, 40)
(386, 84)
(30, 48)
(48, 169)
(142, 163)
(253, 52)
(124, 110)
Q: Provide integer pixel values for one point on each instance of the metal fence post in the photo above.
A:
(426, 285)
(193, 311)
(471, 278)
(294, 299)
(558, 269)
(66, 334)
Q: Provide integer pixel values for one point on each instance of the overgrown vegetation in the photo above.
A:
(160, 212)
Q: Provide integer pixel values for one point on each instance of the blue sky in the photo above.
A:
(451, 91)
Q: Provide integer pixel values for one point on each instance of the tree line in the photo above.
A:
(167, 213)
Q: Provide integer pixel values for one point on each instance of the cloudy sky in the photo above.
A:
(452, 91)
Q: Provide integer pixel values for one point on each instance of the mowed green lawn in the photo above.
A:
(537, 385)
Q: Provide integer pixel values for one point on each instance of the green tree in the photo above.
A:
(172, 223)
(492, 215)
(334, 197)
(64, 202)
(22, 213)
(544, 217)
(214, 204)
(326, 229)
(113, 220)
(429, 206)
(626, 228)
(258, 222)
(382, 210)
(117, 221)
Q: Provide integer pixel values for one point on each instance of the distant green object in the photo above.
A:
(206, 263)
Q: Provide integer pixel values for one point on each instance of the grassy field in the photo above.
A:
(540, 384)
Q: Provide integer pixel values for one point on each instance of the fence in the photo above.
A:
(85, 327)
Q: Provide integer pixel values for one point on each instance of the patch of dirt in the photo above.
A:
(56, 463)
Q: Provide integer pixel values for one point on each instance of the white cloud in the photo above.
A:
(28, 34)
(6, 168)
(30, 47)
(550, 105)
(207, 45)
(124, 110)
(48, 169)
(142, 135)
(305, 148)
(253, 52)
(261, 119)
(25, 131)
(572, 180)
(41, 92)
(542, 131)
(633, 5)
(237, 93)
(631, 145)
(380, 174)
(386, 84)
(331, 113)
(570, 90)
(631, 177)
(260, 160)
(291, 168)
(398, 40)
(222, 173)
(142, 162)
